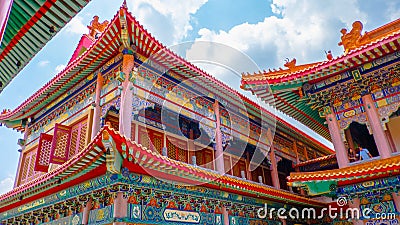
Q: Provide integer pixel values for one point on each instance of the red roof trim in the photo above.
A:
(326, 64)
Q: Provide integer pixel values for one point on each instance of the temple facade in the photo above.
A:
(352, 100)
(131, 133)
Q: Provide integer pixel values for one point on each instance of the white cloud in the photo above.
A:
(76, 26)
(6, 184)
(300, 29)
(393, 10)
(43, 63)
(59, 68)
(169, 21)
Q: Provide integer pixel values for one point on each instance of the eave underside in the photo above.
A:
(28, 30)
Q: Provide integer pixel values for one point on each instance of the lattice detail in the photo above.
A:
(208, 156)
(28, 167)
(25, 163)
(82, 139)
(42, 161)
(144, 138)
(74, 141)
(158, 143)
(78, 138)
(171, 150)
(60, 144)
(199, 157)
(32, 167)
(182, 155)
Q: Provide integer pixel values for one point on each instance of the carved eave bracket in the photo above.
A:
(124, 28)
(113, 157)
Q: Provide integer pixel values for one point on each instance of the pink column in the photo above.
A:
(219, 152)
(120, 208)
(356, 205)
(86, 212)
(97, 109)
(396, 200)
(340, 149)
(377, 130)
(225, 214)
(125, 112)
(274, 165)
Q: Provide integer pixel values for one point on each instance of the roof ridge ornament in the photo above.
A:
(351, 40)
(96, 27)
(290, 64)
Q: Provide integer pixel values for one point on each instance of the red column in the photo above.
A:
(274, 165)
(376, 126)
(340, 149)
(219, 152)
(125, 112)
(97, 109)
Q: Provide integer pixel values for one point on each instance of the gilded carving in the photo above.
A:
(350, 40)
(96, 27)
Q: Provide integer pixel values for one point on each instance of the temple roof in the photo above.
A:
(31, 24)
(106, 46)
(286, 84)
(91, 162)
(353, 174)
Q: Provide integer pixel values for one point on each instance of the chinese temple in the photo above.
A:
(353, 100)
(131, 133)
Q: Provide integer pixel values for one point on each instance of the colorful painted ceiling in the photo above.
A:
(31, 24)
(287, 85)
(106, 46)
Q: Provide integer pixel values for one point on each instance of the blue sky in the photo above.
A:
(267, 31)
